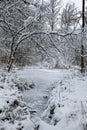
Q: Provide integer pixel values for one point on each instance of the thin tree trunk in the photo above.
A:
(82, 46)
(82, 59)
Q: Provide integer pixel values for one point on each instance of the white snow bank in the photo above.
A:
(67, 105)
(14, 113)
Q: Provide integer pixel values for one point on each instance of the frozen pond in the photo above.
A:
(43, 80)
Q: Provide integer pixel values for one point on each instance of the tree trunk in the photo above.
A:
(82, 59)
(82, 46)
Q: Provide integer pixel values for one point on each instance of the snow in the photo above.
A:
(57, 100)
(29, 21)
(32, 8)
(13, 113)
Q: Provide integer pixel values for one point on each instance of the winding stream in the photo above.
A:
(43, 80)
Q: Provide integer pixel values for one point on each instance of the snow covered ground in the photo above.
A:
(54, 99)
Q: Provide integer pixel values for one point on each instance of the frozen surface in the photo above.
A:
(59, 98)
(65, 89)
(44, 80)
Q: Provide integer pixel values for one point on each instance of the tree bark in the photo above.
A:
(82, 46)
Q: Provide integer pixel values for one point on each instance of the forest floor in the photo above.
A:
(32, 98)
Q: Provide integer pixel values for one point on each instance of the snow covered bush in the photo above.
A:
(14, 112)
(22, 84)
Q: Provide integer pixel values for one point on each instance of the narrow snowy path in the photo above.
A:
(44, 80)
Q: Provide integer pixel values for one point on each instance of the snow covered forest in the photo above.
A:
(38, 31)
(43, 65)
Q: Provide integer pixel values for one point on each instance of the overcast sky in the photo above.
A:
(77, 2)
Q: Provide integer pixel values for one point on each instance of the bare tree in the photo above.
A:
(82, 46)
(30, 29)
(70, 16)
(53, 11)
